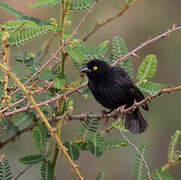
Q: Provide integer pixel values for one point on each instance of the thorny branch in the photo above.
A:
(82, 117)
(140, 154)
(22, 172)
(161, 36)
(123, 9)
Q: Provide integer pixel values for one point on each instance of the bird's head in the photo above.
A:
(96, 68)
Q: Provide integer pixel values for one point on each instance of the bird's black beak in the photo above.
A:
(85, 70)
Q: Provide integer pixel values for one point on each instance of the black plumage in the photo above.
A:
(112, 88)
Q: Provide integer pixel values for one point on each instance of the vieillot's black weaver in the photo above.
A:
(112, 88)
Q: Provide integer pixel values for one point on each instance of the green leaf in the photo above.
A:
(147, 68)
(100, 175)
(75, 53)
(59, 82)
(172, 152)
(5, 170)
(13, 25)
(79, 4)
(47, 170)
(73, 149)
(44, 3)
(139, 171)
(21, 16)
(86, 53)
(46, 74)
(91, 124)
(22, 118)
(119, 49)
(31, 159)
(151, 87)
(161, 175)
(39, 134)
(26, 36)
(96, 144)
(114, 144)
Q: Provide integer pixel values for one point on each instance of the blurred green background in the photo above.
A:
(144, 20)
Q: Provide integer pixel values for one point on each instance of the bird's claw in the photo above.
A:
(104, 116)
(120, 110)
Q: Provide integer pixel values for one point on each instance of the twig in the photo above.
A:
(137, 150)
(24, 98)
(83, 116)
(22, 172)
(46, 47)
(171, 163)
(123, 9)
(149, 41)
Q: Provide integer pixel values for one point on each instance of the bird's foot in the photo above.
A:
(120, 110)
(104, 115)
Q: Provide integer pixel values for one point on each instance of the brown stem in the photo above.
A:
(123, 9)
(22, 172)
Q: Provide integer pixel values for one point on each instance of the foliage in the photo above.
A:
(119, 49)
(46, 170)
(161, 175)
(54, 81)
(173, 153)
(39, 134)
(139, 169)
(5, 170)
(146, 71)
(79, 4)
(31, 159)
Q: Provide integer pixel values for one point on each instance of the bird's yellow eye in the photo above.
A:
(95, 68)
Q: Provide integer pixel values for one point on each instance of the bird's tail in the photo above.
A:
(135, 122)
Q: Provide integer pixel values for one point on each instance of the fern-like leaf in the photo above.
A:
(73, 149)
(114, 144)
(139, 171)
(12, 25)
(91, 124)
(79, 4)
(81, 53)
(31, 159)
(151, 87)
(100, 175)
(47, 170)
(96, 144)
(119, 49)
(172, 152)
(26, 36)
(44, 3)
(39, 134)
(5, 170)
(147, 68)
(161, 175)
(21, 16)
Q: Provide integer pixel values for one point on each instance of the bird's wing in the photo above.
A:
(122, 78)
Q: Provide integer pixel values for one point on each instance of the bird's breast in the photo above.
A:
(107, 93)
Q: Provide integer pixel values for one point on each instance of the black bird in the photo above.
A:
(112, 88)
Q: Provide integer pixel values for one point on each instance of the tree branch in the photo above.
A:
(140, 154)
(125, 6)
(161, 36)
(22, 172)
(83, 117)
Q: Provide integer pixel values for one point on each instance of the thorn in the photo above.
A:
(174, 26)
(75, 166)
(134, 54)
